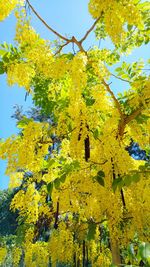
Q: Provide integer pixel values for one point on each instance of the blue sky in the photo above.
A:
(68, 18)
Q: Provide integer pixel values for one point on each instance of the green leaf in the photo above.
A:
(101, 174)
(118, 69)
(142, 168)
(136, 177)
(118, 182)
(6, 57)
(147, 165)
(129, 27)
(142, 118)
(133, 74)
(129, 70)
(100, 178)
(90, 101)
(20, 234)
(100, 181)
(96, 133)
(2, 52)
(50, 163)
(63, 177)
(67, 168)
(70, 56)
(2, 67)
(91, 231)
(147, 40)
(127, 180)
(144, 251)
(57, 183)
(50, 188)
(23, 123)
(131, 252)
(75, 165)
(5, 45)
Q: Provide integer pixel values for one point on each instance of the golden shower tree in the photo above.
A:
(81, 198)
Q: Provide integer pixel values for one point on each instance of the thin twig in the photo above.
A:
(51, 29)
(73, 49)
(91, 28)
(144, 69)
(99, 43)
(119, 78)
(61, 47)
(73, 39)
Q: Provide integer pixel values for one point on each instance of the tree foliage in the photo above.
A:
(81, 198)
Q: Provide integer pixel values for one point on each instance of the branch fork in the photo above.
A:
(67, 41)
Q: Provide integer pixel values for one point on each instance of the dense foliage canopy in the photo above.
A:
(80, 197)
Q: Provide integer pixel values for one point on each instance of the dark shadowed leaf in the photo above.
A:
(91, 231)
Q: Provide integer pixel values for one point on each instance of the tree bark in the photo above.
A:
(116, 259)
(83, 252)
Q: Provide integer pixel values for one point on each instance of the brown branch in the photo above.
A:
(114, 178)
(78, 43)
(61, 47)
(87, 148)
(123, 198)
(113, 97)
(126, 119)
(48, 27)
(83, 254)
(91, 28)
(133, 115)
(73, 39)
(56, 216)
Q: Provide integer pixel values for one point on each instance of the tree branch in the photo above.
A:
(56, 216)
(48, 27)
(133, 115)
(119, 78)
(73, 39)
(61, 47)
(91, 28)
(113, 97)
(78, 43)
(126, 119)
(114, 178)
